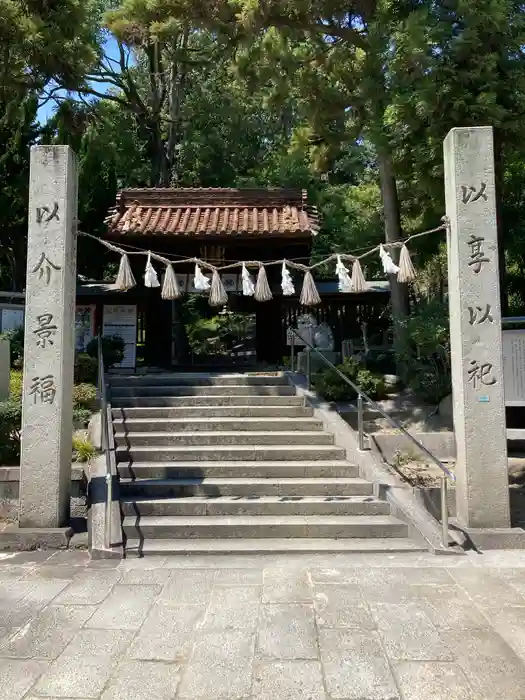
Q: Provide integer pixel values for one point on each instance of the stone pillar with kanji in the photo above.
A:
(482, 493)
(47, 404)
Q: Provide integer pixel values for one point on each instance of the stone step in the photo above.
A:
(178, 390)
(130, 426)
(229, 453)
(263, 469)
(245, 487)
(259, 526)
(202, 412)
(261, 505)
(224, 438)
(197, 380)
(516, 441)
(271, 546)
(205, 401)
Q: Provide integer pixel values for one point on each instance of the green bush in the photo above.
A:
(84, 400)
(15, 384)
(331, 387)
(381, 361)
(83, 450)
(426, 357)
(86, 368)
(112, 349)
(85, 396)
(10, 426)
(329, 384)
(81, 416)
(15, 336)
(372, 384)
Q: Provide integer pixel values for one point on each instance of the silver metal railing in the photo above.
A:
(362, 397)
(107, 442)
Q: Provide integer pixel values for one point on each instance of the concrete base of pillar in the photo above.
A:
(495, 538)
(15, 538)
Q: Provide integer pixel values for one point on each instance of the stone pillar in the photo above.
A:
(47, 409)
(482, 492)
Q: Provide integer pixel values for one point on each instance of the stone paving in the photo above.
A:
(313, 627)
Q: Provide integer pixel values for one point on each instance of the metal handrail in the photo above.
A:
(361, 395)
(105, 416)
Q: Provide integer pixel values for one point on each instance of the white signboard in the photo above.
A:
(121, 320)
(230, 282)
(514, 367)
(183, 282)
(84, 326)
(12, 319)
(306, 333)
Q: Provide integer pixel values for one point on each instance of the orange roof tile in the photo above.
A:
(213, 212)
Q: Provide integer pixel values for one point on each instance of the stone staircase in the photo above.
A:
(237, 463)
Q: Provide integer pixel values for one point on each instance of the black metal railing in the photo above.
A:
(362, 397)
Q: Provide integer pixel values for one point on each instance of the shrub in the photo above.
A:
(426, 357)
(15, 384)
(15, 336)
(81, 417)
(83, 450)
(331, 387)
(372, 384)
(112, 349)
(10, 426)
(85, 396)
(86, 368)
(329, 384)
(381, 361)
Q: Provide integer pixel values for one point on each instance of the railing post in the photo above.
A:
(360, 422)
(292, 352)
(444, 509)
(109, 491)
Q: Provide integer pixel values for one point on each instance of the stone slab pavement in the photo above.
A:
(227, 627)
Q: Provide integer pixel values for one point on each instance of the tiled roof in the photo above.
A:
(213, 212)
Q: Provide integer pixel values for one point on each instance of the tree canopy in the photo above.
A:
(351, 100)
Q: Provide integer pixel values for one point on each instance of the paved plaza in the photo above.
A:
(318, 627)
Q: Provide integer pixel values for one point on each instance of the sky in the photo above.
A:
(46, 111)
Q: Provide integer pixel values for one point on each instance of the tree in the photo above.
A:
(110, 155)
(151, 76)
(459, 63)
(44, 42)
(18, 132)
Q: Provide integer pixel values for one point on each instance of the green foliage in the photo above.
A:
(18, 132)
(426, 357)
(15, 337)
(329, 384)
(10, 426)
(81, 416)
(83, 450)
(220, 334)
(371, 384)
(15, 384)
(112, 350)
(84, 396)
(84, 401)
(86, 368)
(45, 42)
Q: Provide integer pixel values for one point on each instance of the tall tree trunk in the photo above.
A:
(399, 292)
